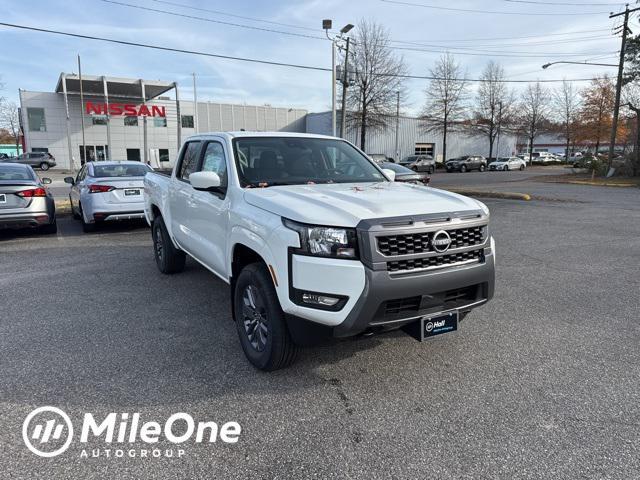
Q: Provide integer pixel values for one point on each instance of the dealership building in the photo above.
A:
(131, 119)
(113, 118)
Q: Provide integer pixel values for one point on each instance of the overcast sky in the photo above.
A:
(562, 30)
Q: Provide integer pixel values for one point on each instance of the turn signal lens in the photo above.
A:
(32, 192)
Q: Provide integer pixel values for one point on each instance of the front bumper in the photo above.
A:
(390, 302)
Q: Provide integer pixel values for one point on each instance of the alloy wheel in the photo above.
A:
(254, 318)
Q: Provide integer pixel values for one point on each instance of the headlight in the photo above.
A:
(483, 207)
(319, 241)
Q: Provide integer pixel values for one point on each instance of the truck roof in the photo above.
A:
(260, 134)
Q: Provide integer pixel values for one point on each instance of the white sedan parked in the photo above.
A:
(508, 163)
(107, 191)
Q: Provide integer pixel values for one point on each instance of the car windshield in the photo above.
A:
(271, 161)
(15, 172)
(397, 168)
(120, 170)
(504, 159)
(410, 159)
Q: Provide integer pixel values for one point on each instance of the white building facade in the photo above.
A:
(112, 132)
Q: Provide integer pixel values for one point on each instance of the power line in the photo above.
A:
(475, 52)
(468, 10)
(253, 60)
(253, 19)
(203, 19)
(619, 4)
(514, 44)
(526, 36)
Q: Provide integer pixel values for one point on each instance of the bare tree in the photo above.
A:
(446, 96)
(631, 99)
(566, 104)
(9, 120)
(374, 71)
(534, 107)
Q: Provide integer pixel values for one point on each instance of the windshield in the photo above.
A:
(15, 172)
(409, 159)
(270, 161)
(120, 170)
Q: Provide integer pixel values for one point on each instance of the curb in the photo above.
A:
(491, 194)
(606, 184)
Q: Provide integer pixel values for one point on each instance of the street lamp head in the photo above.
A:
(545, 66)
(346, 28)
(327, 24)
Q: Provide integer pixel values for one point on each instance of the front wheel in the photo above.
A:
(260, 321)
(463, 168)
(521, 167)
(506, 168)
(168, 258)
(482, 168)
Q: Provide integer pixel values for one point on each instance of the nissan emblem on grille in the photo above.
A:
(441, 241)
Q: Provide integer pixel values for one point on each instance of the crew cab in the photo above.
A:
(316, 240)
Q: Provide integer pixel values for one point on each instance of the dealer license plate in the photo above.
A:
(432, 326)
(132, 192)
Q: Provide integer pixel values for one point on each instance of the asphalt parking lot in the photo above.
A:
(540, 383)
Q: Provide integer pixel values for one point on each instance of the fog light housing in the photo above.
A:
(315, 299)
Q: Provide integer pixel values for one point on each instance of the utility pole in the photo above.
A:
(397, 124)
(616, 106)
(83, 159)
(498, 132)
(195, 105)
(345, 85)
(333, 88)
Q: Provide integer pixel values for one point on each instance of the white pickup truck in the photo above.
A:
(316, 240)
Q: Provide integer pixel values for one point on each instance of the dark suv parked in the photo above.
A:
(41, 160)
(466, 163)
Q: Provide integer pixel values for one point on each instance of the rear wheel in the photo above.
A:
(260, 321)
(482, 168)
(44, 166)
(168, 258)
(463, 168)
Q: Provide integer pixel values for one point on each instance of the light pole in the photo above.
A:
(337, 42)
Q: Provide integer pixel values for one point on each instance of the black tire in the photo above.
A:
(169, 259)
(521, 167)
(506, 168)
(260, 322)
(482, 168)
(86, 227)
(44, 166)
(463, 168)
(50, 228)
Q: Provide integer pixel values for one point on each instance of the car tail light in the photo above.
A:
(32, 192)
(100, 188)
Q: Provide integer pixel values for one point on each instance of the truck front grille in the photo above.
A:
(435, 262)
(394, 245)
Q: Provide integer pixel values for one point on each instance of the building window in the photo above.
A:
(99, 119)
(163, 154)
(187, 121)
(159, 121)
(36, 120)
(424, 149)
(130, 121)
(133, 154)
(40, 149)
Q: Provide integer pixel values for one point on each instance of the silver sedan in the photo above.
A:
(24, 199)
(107, 192)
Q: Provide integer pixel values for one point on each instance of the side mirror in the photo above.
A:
(390, 174)
(46, 181)
(69, 180)
(205, 181)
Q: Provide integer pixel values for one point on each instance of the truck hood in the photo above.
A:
(347, 203)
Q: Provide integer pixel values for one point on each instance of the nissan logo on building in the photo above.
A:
(441, 241)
